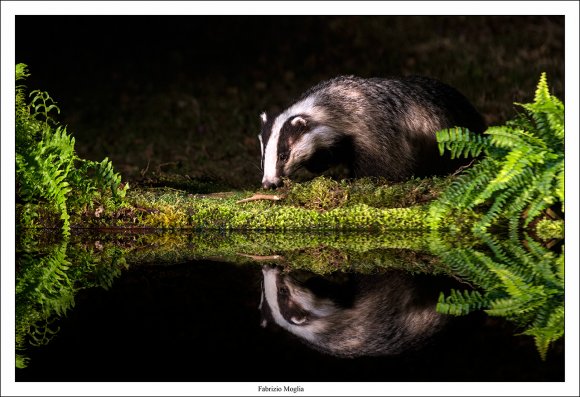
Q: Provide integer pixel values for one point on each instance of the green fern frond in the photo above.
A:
(461, 142)
(505, 307)
(515, 163)
(547, 111)
(542, 94)
(521, 310)
(46, 161)
(546, 104)
(42, 104)
(21, 71)
(473, 181)
(471, 265)
(460, 303)
(541, 263)
(537, 207)
(497, 248)
(522, 174)
(515, 285)
(495, 211)
(512, 137)
(459, 195)
(560, 266)
(549, 332)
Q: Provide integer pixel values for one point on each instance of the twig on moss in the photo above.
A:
(262, 257)
(259, 196)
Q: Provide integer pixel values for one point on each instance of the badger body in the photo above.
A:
(371, 127)
(362, 315)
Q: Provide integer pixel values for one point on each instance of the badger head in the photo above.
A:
(293, 140)
(355, 316)
(292, 306)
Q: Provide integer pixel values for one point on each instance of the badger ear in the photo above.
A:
(298, 121)
(264, 117)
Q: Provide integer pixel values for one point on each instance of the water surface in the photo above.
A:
(210, 320)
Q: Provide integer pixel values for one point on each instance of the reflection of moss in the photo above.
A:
(326, 260)
(321, 253)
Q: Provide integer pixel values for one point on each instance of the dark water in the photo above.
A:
(199, 321)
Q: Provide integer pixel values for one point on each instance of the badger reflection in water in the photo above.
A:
(353, 314)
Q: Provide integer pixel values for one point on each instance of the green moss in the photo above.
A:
(321, 204)
(209, 213)
(321, 194)
(548, 229)
(324, 194)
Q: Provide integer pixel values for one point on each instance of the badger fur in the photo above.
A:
(370, 315)
(371, 127)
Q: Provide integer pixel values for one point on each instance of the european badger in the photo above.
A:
(373, 127)
(368, 315)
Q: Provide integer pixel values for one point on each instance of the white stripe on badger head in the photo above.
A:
(271, 149)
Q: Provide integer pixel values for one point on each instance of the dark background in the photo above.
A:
(176, 98)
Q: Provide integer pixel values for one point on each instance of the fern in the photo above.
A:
(48, 170)
(461, 303)
(462, 143)
(545, 332)
(523, 172)
(458, 197)
(53, 181)
(518, 180)
(512, 135)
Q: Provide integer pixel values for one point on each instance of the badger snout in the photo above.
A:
(272, 183)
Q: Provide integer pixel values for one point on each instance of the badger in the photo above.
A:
(382, 127)
(372, 315)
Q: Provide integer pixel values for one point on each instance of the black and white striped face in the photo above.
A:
(292, 306)
(280, 155)
(289, 140)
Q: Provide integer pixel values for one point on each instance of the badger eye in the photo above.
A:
(283, 156)
(283, 290)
